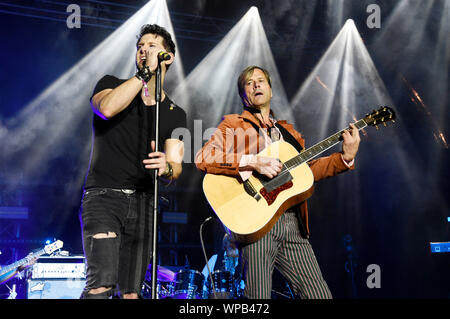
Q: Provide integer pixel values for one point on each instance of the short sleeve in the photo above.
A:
(106, 82)
(178, 121)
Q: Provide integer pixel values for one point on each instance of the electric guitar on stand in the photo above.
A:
(249, 209)
(9, 271)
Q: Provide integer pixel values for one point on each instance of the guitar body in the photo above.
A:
(250, 219)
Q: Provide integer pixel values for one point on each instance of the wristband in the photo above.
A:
(144, 74)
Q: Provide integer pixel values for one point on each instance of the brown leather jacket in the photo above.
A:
(236, 135)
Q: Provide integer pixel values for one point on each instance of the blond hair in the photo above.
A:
(245, 75)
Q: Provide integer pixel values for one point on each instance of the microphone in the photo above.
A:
(163, 56)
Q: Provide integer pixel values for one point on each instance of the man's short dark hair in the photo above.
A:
(168, 43)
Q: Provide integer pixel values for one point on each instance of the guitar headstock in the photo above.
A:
(381, 116)
(53, 246)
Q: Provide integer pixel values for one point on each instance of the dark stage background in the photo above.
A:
(386, 212)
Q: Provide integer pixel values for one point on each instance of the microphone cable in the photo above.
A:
(206, 257)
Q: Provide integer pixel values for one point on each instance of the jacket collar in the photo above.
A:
(247, 114)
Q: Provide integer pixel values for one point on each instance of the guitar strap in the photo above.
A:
(289, 138)
(285, 133)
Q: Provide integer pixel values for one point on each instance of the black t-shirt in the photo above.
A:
(122, 142)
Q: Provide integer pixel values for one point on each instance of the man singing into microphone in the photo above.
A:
(117, 207)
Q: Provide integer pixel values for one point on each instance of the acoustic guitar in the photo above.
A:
(249, 209)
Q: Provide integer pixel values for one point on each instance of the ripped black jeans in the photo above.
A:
(120, 260)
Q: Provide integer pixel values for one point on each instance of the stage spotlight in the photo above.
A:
(343, 86)
(210, 90)
(419, 48)
(253, 10)
(57, 123)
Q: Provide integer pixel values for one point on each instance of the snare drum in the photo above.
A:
(223, 285)
(188, 284)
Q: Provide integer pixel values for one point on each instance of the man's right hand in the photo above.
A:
(152, 58)
(267, 166)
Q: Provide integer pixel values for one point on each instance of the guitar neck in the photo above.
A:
(320, 147)
(21, 262)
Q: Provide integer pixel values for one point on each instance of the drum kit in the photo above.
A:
(192, 284)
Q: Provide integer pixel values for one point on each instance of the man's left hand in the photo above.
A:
(351, 143)
(156, 160)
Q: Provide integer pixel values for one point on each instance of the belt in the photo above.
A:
(124, 190)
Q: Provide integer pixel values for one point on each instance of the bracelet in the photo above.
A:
(168, 173)
(144, 74)
(169, 170)
(145, 88)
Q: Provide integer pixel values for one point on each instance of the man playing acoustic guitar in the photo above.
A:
(231, 151)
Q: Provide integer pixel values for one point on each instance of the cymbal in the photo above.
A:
(162, 273)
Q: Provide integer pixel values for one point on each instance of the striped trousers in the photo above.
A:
(284, 248)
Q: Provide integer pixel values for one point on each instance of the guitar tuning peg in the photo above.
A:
(384, 124)
(376, 126)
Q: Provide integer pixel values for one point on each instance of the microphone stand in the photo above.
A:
(155, 194)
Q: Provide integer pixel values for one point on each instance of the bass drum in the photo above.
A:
(223, 285)
(188, 284)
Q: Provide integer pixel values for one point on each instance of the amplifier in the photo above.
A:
(59, 268)
(56, 278)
